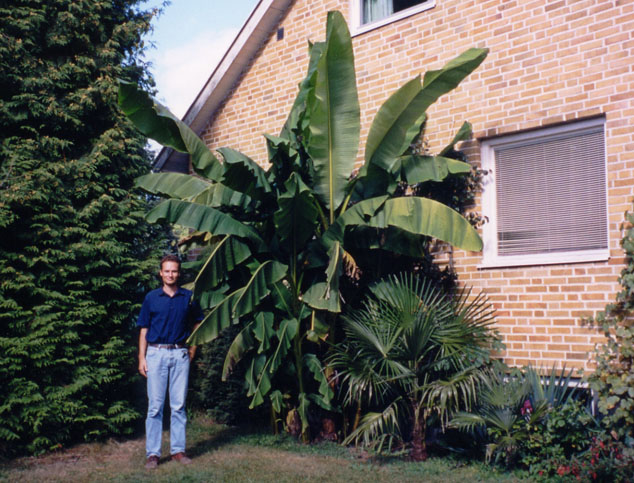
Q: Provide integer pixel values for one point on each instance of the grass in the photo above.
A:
(221, 453)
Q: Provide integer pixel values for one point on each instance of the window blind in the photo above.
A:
(550, 194)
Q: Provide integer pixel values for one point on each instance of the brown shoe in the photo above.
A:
(152, 462)
(181, 458)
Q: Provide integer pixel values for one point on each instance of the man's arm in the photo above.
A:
(142, 351)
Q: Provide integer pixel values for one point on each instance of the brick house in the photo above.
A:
(552, 109)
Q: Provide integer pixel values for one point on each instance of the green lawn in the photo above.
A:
(226, 454)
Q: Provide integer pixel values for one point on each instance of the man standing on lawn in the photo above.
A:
(167, 317)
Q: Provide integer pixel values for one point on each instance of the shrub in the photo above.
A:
(613, 379)
(529, 418)
(75, 253)
(224, 401)
(606, 459)
(563, 434)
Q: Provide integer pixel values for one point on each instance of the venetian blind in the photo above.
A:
(551, 194)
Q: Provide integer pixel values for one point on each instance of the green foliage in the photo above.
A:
(73, 242)
(411, 354)
(457, 192)
(529, 417)
(565, 433)
(279, 240)
(224, 401)
(613, 379)
(606, 459)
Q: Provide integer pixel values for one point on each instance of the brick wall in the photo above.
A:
(550, 62)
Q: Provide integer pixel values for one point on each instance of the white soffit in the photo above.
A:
(264, 18)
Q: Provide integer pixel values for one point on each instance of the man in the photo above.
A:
(166, 317)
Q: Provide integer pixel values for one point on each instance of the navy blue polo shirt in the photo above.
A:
(168, 319)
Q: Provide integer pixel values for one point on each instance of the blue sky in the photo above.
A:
(190, 38)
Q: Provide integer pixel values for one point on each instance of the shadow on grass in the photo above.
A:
(223, 436)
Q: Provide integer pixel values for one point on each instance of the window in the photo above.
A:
(545, 196)
(369, 14)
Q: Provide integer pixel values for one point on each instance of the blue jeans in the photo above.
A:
(166, 367)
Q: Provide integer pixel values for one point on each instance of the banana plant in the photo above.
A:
(276, 238)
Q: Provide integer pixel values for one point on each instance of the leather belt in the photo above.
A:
(168, 346)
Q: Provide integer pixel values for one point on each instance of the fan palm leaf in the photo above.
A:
(405, 352)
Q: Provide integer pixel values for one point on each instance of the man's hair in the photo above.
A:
(170, 258)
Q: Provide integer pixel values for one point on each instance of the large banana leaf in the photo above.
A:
(258, 381)
(419, 216)
(285, 334)
(302, 410)
(315, 297)
(226, 255)
(358, 214)
(283, 299)
(427, 217)
(218, 195)
(313, 364)
(242, 343)
(260, 329)
(172, 185)
(418, 169)
(212, 297)
(283, 156)
(388, 137)
(334, 269)
(263, 277)
(401, 115)
(263, 330)
(139, 107)
(157, 122)
(439, 82)
(239, 303)
(203, 218)
(244, 175)
(325, 295)
(192, 188)
(298, 109)
(333, 108)
(373, 181)
(297, 215)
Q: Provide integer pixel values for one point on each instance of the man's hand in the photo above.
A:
(143, 366)
(192, 352)
(142, 351)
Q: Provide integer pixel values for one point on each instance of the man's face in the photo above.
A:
(169, 273)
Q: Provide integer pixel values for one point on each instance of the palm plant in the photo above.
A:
(276, 239)
(512, 404)
(413, 353)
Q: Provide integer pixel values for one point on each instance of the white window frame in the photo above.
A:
(489, 200)
(356, 14)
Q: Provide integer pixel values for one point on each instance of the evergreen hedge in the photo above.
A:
(75, 254)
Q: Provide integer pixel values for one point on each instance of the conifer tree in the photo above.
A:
(74, 250)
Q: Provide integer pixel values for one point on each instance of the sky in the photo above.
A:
(190, 38)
